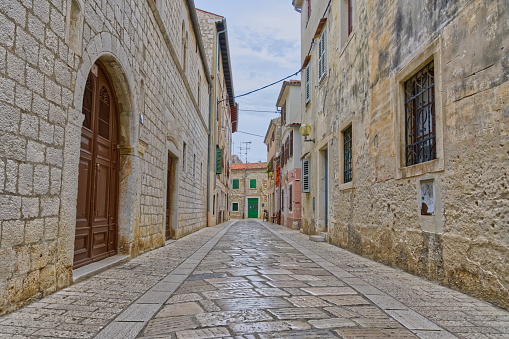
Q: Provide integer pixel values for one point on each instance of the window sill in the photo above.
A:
(346, 186)
(436, 165)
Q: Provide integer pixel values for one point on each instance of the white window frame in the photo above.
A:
(238, 207)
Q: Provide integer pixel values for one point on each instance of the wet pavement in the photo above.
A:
(249, 279)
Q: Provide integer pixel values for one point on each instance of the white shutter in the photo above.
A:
(305, 176)
(322, 55)
(324, 51)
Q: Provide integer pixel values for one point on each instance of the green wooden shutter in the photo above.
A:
(235, 184)
(219, 160)
(252, 183)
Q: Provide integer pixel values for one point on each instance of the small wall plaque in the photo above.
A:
(427, 198)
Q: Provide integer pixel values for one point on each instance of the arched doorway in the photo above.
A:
(97, 204)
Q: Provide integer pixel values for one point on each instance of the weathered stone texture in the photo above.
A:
(465, 244)
(42, 79)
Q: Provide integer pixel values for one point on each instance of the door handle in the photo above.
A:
(98, 167)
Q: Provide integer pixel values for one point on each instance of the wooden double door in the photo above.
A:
(97, 205)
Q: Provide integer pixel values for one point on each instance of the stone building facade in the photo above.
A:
(223, 117)
(103, 135)
(249, 190)
(408, 106)
(291, 145)
(273, 142)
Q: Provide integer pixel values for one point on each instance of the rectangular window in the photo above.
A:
(291, 143)
(283, 114)
(420, 131)
(235, 184)
(252, 183)
(322, 55)
(347, 155)
(194, 166)
(290, 197)
(282, 156)
(235, 206)
(308, 11)
(307, 86)
(184, 157)
(305, 176)
(350, 21)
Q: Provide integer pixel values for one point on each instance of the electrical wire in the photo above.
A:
(256, 135)
(259, 89)
(254, 110)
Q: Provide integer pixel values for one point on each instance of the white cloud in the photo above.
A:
(264, 38)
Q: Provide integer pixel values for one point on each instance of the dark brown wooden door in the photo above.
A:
(96, 211)
(169, 190)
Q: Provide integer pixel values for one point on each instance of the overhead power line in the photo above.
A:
(254, 110)
(259, 89)
(256, 135)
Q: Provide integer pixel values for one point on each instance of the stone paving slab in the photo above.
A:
(97, 301)
(439, 305)
(255, 280)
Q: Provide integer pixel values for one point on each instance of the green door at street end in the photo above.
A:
(252, 211)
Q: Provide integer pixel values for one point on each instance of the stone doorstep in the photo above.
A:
(97, 267)
(317, 238)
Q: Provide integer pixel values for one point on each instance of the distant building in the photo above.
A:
(290, 163)
(249, 190)
(224, 114)
(234, 159)
(273, 142)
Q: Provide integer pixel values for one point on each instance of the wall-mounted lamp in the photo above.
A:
(304, 131)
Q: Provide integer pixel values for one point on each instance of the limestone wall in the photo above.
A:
(47, 49)
(465, 244)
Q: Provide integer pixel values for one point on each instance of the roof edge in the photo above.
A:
(197, 33)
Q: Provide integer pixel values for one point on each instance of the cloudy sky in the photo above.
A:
(264, 38)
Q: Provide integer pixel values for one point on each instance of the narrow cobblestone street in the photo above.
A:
(249, 279)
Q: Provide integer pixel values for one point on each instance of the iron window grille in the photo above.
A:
(347, 155)
(420, 130)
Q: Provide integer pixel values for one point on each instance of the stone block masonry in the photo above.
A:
(47, 50)
(463, 241)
